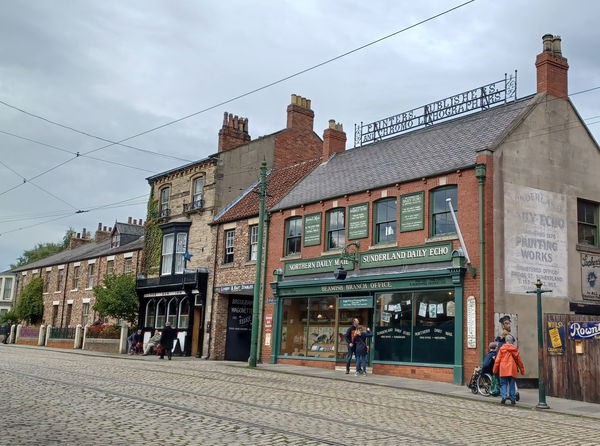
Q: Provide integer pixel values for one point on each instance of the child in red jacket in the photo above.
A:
(507, 363)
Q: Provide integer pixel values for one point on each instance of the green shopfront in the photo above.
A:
(410, 297)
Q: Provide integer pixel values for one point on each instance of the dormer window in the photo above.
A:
(164, 202)
(115, 240)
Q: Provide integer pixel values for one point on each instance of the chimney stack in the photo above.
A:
(552, 68)
(101, 233)
(79, 239)
(334, 140)
(299, 114)
(234, 132)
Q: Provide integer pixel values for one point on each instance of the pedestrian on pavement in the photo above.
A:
(136, 341)
(507, 363)
(349, 337)
(488, 367)
(361, 349)
(167, 337)
(152, 343)
(5, 331)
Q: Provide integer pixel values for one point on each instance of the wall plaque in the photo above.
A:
(358, 221)
(312, 229)
(412, 211)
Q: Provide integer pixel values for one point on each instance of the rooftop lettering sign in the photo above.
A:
(479, 98)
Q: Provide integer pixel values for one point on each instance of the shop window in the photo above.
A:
(294, 327)
(184, 313)
(441, 218)
(161, 313)
(229, 246)
(587, 222)
(385, 221)
(336, 229)
(293, 236)
(172, 312)
(429, 339)
(164, 202)
(75, 279)
(252, 242)
(150, 313)
(110, 267)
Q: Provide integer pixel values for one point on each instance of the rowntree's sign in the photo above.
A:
(584, 330)
(440, 252)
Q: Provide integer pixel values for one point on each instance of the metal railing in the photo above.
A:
(193, 206)
(62, 333)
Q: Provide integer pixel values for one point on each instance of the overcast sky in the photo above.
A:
(117, 68)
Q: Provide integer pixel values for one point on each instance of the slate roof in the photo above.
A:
(443, 147)
(88, 251)
(129, 229)
(279, 182)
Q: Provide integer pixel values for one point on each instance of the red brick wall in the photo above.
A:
(27, 341)
(308, 363)
(60, 344)
(406, 371)
(295, 145)
(468, 217)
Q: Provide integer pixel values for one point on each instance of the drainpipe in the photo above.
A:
(480, 173)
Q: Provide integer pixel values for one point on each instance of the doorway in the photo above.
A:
(345, 318)
(239, 328)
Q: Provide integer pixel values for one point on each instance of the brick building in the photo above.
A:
(188, 198)
(7, 291)
(69, 276)
(521, 176)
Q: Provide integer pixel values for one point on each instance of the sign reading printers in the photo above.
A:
(535, 239)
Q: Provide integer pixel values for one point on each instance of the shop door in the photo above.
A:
(345, 318)
(239, 328)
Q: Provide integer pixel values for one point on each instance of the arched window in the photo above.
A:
(150, 313)
(184, 313)
(165, 194)
(172, 311)
(161, 313)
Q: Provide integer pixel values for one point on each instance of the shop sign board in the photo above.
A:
(355, 302)
(312, 229)
(412, 211)
(358, 221)
(404, 284)
(312, 266)
(471, 323)
(555, 339)
(590, 277)
(441, 252)
(584, 330)
(235, 288)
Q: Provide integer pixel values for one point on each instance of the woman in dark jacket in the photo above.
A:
(167, 337)
(360, 343)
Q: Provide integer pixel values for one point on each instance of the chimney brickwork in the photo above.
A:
(101, 233)
(552, 68)
(334, 140)
(234, 132)
(299, 114)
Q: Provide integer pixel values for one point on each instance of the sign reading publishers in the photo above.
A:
(312, 229)
(412, 211)
(358, 221)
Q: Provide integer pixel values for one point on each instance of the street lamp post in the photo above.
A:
(541, 386)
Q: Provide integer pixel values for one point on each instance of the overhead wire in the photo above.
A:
(263, 87)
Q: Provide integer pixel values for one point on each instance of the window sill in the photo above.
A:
(291, 257)
(441, 238)
(332, 252)
(57, 292)
(588, 248)
(250, 263)
(383, 245)
(88, 289)
(227, 265)
(74, 289)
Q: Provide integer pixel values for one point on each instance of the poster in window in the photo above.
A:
(312, 229)
(590, 277)
(412, 211)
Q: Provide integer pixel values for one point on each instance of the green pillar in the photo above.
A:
(541, 386)
(480, 174)
(257, 281)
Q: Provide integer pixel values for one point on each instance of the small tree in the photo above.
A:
(117, 298)
(30, 304)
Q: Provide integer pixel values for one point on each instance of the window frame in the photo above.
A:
(593, 225)
(229, 246)
(76, 277)
(197, 197)
(168, 263)
(60, 275)
(90, 276)
(110, 267)
(432, 215)
(329, 231)
(377, 224)
(252, 243)
(163, 201)
(128, 265)
(289, 237)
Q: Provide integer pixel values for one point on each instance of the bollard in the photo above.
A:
(123, 340)
(18, 332)
(41, 335)
(77, 343)
(85, 330)
(48, 330)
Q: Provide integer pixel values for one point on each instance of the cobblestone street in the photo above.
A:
(52, 397)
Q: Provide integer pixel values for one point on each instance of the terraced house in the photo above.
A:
(371, 232)
(69, 276)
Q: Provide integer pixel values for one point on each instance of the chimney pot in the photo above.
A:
(129, 220)
(334, 140)
(100, 226)
(141, 222)
(110, 229)
(552, 68)
(79, 235)
(556, 46)
(135, 221)
(299, 114)
(104, 228)
(234, 132)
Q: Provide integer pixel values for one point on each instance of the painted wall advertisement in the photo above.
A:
(535, 240)
(590, 277)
